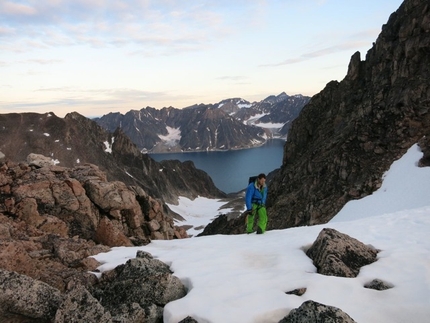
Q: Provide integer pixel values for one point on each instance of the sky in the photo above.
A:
(243, 278)
(101, 56)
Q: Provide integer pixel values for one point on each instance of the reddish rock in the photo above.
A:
(109, 233)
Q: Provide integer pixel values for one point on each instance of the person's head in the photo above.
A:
(261, 179)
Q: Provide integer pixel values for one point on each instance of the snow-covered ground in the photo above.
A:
(243, 278)
(198, 212)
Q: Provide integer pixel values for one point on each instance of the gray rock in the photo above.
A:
(297, 291)
(378, 284)
(337, 254)
(80, 306)
(145, 282)
(188, 319)
(39, 160)
(25, 296)
(313, 312)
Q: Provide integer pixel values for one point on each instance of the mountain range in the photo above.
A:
(230, 124)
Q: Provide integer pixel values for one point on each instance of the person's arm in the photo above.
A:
(263, 200)
(248, 196)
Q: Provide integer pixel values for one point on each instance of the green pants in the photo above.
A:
(262, 218)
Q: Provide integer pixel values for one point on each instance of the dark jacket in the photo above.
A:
(254, 195)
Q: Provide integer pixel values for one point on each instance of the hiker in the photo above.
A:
(255, 199)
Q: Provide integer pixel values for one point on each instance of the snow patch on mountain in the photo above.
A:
(173, 136)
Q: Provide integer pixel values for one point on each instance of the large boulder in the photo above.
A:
(24, 296)
(39, 160)
(337, 254)
(313, 312)
(142, 285)
(80, 306)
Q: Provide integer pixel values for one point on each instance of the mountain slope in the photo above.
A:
(75, 140)
(347, 136)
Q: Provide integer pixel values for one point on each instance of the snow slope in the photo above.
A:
(243, 278)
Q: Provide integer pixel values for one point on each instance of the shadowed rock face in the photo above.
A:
(352, 131)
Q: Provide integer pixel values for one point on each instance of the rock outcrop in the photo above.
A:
(313, 312)
(352, 131)
(53, 218)
(143, 284)
(337, 254)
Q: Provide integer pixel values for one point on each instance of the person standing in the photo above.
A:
(255, 199)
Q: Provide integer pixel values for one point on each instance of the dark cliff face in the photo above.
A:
(76, 140)
(351, 132)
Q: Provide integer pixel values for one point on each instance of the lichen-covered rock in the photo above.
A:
(22, 295)
(337, 254)
(80, 306)
(52, 217)
(313, 312)
(144, 281)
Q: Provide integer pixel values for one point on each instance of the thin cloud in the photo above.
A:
(17, 9)
(237, 79)
(99, 23)
(319, 53)
(44, 61)
(6, 31)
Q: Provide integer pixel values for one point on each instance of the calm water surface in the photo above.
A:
(230, 170)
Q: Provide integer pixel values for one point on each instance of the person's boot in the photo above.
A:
(259, 231)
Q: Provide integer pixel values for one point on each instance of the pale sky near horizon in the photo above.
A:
(100, 56)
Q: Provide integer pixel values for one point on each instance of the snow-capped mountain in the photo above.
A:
(230, 124)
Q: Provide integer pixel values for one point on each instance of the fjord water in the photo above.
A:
(231, 169)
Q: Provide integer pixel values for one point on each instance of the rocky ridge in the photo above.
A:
(75, 140)
(53, 218)
(351, 132)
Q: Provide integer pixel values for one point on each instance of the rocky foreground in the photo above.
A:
(53, 218)
(138, 290)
